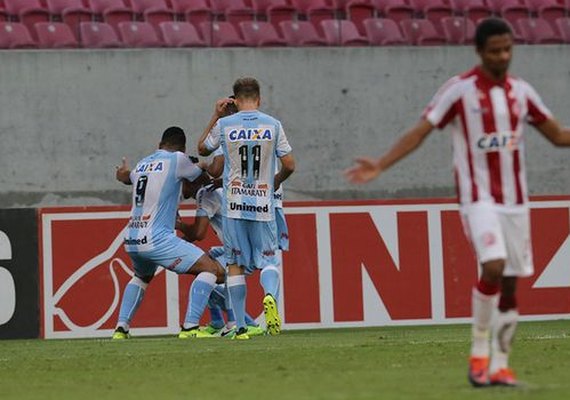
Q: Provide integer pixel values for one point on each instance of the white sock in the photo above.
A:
(483, 306)
(504, 327)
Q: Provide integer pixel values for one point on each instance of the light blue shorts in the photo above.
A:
(174, 254)
(282, 230)
(250, 244)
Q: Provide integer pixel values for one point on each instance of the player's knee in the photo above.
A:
(493, 271)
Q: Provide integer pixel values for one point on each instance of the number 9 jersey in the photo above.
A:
(251, 141)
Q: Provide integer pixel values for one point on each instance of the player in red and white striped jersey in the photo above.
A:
(485, 109)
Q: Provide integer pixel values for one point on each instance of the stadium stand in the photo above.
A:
(458, 30)
(432, 10)
(259, 34)
(233, 11)
(28, 12)
(14, 35)
(396, 10)
(112, 12)
(274, 11)
(472, 9)
(98, 35)
(538, 31)
(152, 11)
(511, 10)
(139, 34)
(548, 10)
(301, 33)
(342, 32)
(314, 11)
(383, 32)
(193, 11)
(55, 35)
(563, 27)
(180, 34)
(421, 32)
(221, 34)
(70, 12)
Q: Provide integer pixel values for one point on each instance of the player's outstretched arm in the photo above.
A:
(123, 173)
(368, 168)
(287, 168)
(195, 231)
(554, 132)
(216, 167)
(218, 112)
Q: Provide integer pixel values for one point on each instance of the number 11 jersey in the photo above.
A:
(251, 141)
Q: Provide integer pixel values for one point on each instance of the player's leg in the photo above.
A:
(519, 264)
(133, 294)
(483, 227)
(265, 257)
(238, 252)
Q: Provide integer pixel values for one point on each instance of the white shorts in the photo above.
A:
(497, 234)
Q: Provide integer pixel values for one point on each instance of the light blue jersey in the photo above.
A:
(157, 183)
(251, 141)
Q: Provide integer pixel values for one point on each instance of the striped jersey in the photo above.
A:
(486, 119)
(157, 185)
(251, 141)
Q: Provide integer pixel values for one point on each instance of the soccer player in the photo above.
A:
(151, 240)
(251, 141)
(486, 108)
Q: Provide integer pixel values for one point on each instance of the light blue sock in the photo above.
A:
(250, 321)
(269, 278)
(200, 291)
(216, 304)
(132, 297)
(217, 318)
(238, 292)
(230, 314)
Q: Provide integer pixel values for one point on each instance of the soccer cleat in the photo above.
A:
(253, 330)
(228, 331)
(240, 334)
(194, 332)
(504, 377)
(479, 371)
(213, 331)
(120, 334)
(272, 319)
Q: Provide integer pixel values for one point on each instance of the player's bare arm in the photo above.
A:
(218, 113)
(123, 172)
(195, 231)
(369, 168)
(287, 168)
(216, 167)
(554, 132)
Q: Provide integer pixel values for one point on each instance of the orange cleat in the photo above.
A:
(479, 371)
(504, 377)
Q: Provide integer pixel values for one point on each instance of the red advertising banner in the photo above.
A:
(351, 264)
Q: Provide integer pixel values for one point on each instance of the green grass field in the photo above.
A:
(375, 363)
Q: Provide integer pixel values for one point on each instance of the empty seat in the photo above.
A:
(342, 32)
(314, 11)
(538, 31)
(112, 12)
(71, 12)
(357, 11)
(549, 10)
(139, 34)
(472, 9)
(234, 11)
(383, 32)
(98, 35)
(55, 35)
(180, 34)
(275, 11)
(260, 34)
(29, 12)
(563, 26)
(433, 10)
(194, 11)
(153, 11)
(458, 30)
(301, 33)
(221, 34)
(397, 10)
(421, 32)
(14, 35)
(511, 10)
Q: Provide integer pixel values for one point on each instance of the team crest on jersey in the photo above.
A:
(237, 135)
(499, 140)
(153, 166)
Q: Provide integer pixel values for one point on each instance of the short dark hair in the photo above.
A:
(173, 136)
(247, 88)
(490, 27)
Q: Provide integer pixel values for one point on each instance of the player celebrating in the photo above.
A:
(486, 108)
(151, 240)
(251, 141)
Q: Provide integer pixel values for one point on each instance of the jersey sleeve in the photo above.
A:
(206, 203)
(537, 112)
(283, 147)
(212, 141)
(186, 169)
(443, 107)
(218, 152)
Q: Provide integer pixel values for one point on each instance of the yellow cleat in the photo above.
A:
(120, 334)
(272, 318)
(241, 334)
(255, 331)
(194, 333)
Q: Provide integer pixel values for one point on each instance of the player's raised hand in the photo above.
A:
(123, 172)
(364, 170)
(221, 105)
